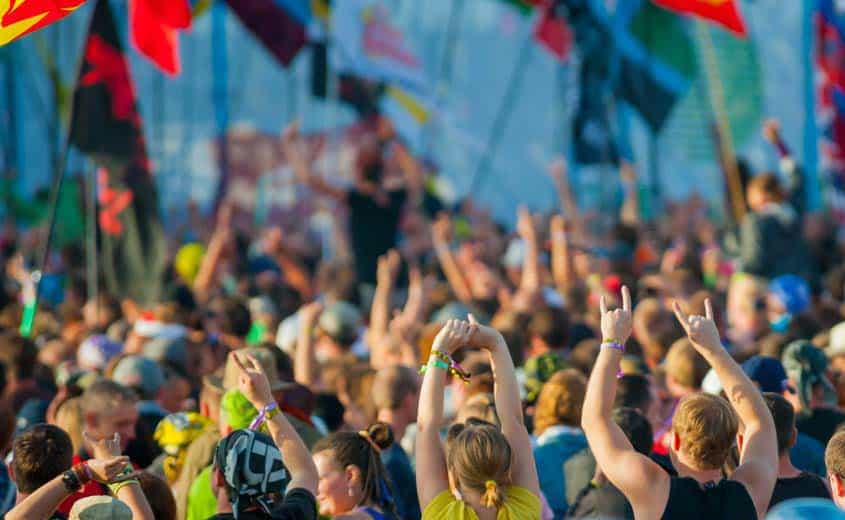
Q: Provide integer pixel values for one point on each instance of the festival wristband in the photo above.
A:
(434, 363)
(454, 368)
(614, 345)
(117, 486)
(28, 318)
(262, 415)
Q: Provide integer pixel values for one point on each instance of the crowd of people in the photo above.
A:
(433, 364)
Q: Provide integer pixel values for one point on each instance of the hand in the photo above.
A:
(388, 268)
(525, 225)
(771, 131)
(308, 314)
(627, 172)
(106, 471)
(291, 133)
(701, 330)
(483, 336)
(253, 382)
(617, 324)
(103, 449)
(557, 227)
(441, 228)
(224, 216)
(454, 335)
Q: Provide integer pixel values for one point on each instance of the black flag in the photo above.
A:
(107, 126)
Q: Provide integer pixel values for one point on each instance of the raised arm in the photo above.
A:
(630, 213)
(559, 174)
(508, 404)
(305, 359)
(641, 480)
(440, 230)
(44, 501)
(530, 281)
(388, 268)
(561, 254)
(292, 149)
(432, 477)
(253, 383)
(211, 261)
(128, 490)
(758, 459)
(795, 188)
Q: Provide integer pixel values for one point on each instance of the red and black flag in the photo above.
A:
(106, 125)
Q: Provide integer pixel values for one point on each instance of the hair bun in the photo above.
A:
(381, 435)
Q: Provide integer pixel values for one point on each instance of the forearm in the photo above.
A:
(133, 496)
(380, 312)
(530, 280)
(42, 503)
(630, 213)
(505, 387)
(601, 389)
(561, 260)
(209, 266)
(294, 452)
(430, 410)
(453, 273)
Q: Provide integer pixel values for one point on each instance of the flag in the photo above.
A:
(276, 25)
(523, 6)
(408, 113)
(154, 30)
(21, 17)
(830, 101)
(361, 94)
(367, 45)
(657, 62)
(722, 12)
(553, 33)
(106, 125)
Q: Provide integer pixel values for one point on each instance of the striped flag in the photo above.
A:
(21, 17)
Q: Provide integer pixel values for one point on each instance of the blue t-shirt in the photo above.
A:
(403, 482)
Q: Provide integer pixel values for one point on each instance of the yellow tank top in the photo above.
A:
(520, 504)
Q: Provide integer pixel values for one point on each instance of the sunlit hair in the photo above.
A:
(707, 427)
(478, 458)
(481, 407)
(834, 455)
(561, 400)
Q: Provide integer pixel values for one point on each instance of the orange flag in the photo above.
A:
(21, 17)
(723, 12)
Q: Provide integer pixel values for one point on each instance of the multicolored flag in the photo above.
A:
(553, 32)
(280, 25)
(722, 12)
(830, 100)
(154, 27)
(21, 17)
(107, 126)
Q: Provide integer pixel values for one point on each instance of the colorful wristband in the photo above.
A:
(117, 486)
(434, 363)
(262, 415)
(614, 345)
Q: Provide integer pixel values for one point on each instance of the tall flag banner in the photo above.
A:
(361, 94)
(280, 25)
(830, 100)
(21, 17)
(107, 126)
(723, 12)
(553, 33)
(367, 45)
(154, 30)
(408, 113)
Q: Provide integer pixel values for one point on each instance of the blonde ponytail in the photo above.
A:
(492, 497)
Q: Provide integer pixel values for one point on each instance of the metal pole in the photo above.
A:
(220, 75)
(499, 124)
(91, 267)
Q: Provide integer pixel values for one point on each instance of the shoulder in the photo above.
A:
(443, 505)
(523, 499)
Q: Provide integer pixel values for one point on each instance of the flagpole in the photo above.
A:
(717, 98)
(505, 110)
(219, 92)
(11, 155)
(31, 308)
(91, 267)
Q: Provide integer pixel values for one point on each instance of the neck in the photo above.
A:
(474, 500)
(396, 421)
(701, 475)
(785, 467)
(21, 497)
(223, 504)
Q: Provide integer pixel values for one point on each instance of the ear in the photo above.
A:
(837, 487)
(353, 474)
(11, 468)
(794, 437)
(676, 442)
(90, 419)
(217, 481)
(740, 440)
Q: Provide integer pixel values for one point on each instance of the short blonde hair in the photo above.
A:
(707, 427)
(479, 406)
(561, 400)
(686, 366)
(834, 455)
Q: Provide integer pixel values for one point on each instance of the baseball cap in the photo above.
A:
(96, 351)
(167, 350)
(140, 373)
(768, 373)
(229, 377)
(806, 509)
(792, 291)
(252, 469)
(101, 507)
(341, 321)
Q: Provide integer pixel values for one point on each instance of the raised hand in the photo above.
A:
(388, 267)
(483, 336)
(525, 224)
(441, 228)
(454, 335)
(108, 470)
(291, 133)
(309, 313)
(616, 324)
(557, 170)
(103, 449)
(701, 330)
(771, 130)
(557, 226)
(253, 382)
